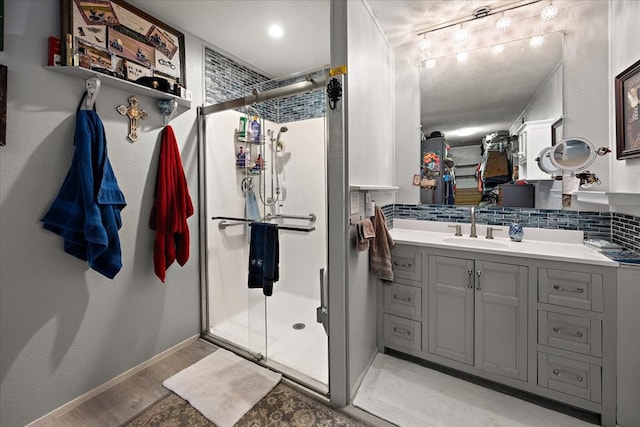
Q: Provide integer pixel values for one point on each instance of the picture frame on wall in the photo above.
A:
(112, 37)
(556, 132)
(627, 99)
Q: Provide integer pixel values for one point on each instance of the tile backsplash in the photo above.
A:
(227, 79)
(622, 229)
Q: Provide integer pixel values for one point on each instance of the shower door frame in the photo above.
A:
(202, 113)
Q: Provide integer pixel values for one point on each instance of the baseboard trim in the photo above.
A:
(356, 385)
(112, 382)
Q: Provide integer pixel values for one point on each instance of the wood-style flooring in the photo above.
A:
(125, 400)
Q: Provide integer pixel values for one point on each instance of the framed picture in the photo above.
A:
(113, 37)
(556, 132)
(627, 94)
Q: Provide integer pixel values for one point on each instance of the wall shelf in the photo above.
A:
(606, 198)
(111, 81)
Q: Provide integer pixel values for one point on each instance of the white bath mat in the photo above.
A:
(223, 386)
(410, 395)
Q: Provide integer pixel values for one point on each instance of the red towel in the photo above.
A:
(171, 208)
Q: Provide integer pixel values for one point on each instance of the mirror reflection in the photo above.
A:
(477, 106)
(573, 154)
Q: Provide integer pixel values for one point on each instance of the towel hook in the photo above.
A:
(92, 84)
(167, 107)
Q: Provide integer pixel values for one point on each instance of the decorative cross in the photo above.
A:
(134, 113)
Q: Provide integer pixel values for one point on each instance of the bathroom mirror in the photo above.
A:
(544, 162)
(573, 154)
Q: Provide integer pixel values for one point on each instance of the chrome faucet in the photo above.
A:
(473, 222)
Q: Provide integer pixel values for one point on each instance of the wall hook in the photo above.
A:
(167, 108)
(92, 84)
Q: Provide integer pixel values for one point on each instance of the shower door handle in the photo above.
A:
(322, 313)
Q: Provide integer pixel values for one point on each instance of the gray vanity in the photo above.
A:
(539, 315)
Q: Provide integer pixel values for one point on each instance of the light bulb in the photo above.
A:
(276, 31)
(423, 45)
(536, 41)
(503, 23)
(460, 35)
(497, 49)
(430, 63)
(549, 12)
(462, 56)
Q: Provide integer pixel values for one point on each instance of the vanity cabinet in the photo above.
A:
(545, 327)
(533, 136)
(478, 314)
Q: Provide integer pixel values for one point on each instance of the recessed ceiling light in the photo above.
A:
(465, 131)
(430, 63)
(276, 31)
(503, 23)
(423, 45)
(462, 56)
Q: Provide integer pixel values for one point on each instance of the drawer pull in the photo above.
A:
(402, 298)
(561, 289)
(404, 265)
(561, 332)
(577, 378)
(401, 331)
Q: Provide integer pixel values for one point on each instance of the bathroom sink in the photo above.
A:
(479, 242)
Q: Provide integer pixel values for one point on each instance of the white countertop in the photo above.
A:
(545, 244)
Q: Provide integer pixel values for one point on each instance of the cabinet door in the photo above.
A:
(451, 308)
(501, 319)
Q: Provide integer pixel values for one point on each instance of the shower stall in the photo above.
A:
(262, 162)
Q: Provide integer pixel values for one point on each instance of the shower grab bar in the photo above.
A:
(241, 221)
(311, 217)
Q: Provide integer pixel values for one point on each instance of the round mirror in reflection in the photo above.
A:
(573, 154)
(544, 162)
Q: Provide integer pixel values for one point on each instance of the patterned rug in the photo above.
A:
(284, 406)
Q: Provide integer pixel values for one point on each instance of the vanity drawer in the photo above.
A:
(570, 289)
(401, 333)
(407, 262)
(569, 376)
(402, 300)
(571, 333)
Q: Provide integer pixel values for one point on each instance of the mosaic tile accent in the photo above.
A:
(227, 79)
(625, 230)
(595, 225)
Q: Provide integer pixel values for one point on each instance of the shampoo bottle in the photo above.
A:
(242, 129)
(241, 158)
(255, 130)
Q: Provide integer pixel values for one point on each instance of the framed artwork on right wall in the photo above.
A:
(627, 98)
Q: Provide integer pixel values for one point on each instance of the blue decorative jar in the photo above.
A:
(516, 233)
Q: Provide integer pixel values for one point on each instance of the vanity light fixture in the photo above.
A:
(423, 44)
(503, 23)
(536, 41)
(497, 49)
(460, 34)
(430, 63)
(462, 56)
(549, 12)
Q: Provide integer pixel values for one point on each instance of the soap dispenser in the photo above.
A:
(516, 233)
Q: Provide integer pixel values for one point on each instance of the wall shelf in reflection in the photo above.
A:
(366, 187)
(607, 198)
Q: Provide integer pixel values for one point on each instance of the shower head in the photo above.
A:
(282, 130)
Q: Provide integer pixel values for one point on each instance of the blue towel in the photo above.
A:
(252, 211)
(264, 256)
(86, 211)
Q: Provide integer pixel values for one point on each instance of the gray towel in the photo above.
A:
(252, 211)
(380, 248)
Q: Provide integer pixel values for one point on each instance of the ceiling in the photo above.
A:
(239, 28)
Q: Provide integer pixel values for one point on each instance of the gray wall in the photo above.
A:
(65, 329)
